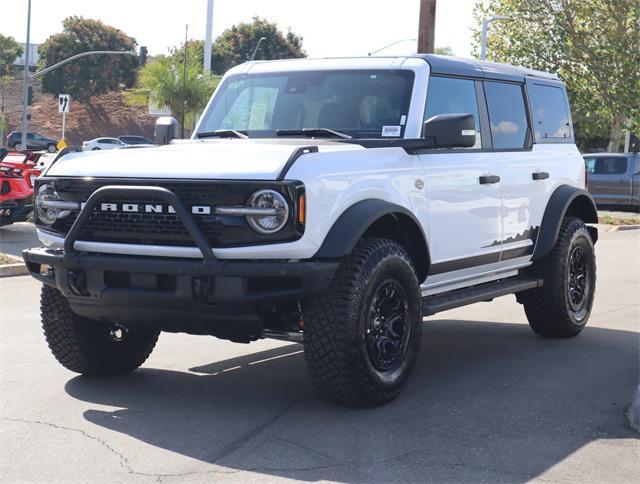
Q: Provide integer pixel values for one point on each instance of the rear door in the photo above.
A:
(608, 179)
(464, 229)
(522, 196)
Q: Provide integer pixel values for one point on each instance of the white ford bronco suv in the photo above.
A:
(331, 202)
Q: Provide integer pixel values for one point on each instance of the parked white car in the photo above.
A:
(103, 144)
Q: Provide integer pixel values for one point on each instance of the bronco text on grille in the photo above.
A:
(152, 221)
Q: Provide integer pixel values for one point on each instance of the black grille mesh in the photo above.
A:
(166, 228)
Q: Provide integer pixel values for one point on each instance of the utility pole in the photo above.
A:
(25, 92)
(427, 26)
(207, 37)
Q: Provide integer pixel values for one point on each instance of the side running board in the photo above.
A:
(482, 292)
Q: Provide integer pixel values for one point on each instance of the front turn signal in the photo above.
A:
(302, 209)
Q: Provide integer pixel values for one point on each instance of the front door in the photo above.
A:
(465, 223)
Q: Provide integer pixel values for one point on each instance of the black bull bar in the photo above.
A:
(110, 286)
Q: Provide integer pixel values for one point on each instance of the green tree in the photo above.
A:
(93, 75)
(165, 82)
(236, 45)
(10, 50)
(446, 50)
(591, 44)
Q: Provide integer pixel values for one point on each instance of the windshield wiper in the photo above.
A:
(222, 133)
(312, 132)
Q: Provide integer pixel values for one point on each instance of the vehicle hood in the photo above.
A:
(237, 159)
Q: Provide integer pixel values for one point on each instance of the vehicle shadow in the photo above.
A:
(486, 402)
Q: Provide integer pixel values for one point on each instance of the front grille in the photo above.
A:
(167, 228)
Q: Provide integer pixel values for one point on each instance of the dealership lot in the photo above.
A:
(488, 401)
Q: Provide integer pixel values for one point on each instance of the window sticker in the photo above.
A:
(390, 131)
(257, 116)
(403, 120)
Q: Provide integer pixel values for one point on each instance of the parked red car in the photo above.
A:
(17, 173)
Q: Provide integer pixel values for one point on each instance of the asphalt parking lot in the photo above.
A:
(488, 401)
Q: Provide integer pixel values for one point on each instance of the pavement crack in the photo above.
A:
(124, 462)
(237, 444)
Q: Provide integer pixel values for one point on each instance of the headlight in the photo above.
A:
(50, 206)
(273, 203)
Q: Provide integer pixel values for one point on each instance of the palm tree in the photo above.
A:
(166, 81)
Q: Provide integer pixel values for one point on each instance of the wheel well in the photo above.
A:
(582, 208)
(403, 229)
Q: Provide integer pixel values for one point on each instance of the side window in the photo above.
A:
(507, 114)
(448, 95)
(591, 165)
(550, 113)
(613, 165)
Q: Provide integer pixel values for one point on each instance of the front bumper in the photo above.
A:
(222, 297)
(176, 294)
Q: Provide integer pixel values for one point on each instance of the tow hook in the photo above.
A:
(117, 332)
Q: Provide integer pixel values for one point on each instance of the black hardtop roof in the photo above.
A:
(444, 64)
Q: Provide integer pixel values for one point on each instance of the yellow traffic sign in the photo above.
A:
(62, 144)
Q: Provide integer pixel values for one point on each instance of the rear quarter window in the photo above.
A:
(550, 111)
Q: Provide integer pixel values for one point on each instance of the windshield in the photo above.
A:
(361, 104)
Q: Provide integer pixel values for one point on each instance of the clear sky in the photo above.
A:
(329, 27)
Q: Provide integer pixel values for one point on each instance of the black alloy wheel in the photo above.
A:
(388, 328)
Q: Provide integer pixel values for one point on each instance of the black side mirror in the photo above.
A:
(167, 128)
(451, 130)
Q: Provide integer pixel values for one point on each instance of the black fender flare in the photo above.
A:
(565, 200)
(351, 225)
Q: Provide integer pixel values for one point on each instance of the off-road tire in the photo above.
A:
(549, 309)
(83, 345)
(336, 342)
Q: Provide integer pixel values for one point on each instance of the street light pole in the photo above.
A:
(207, 37)
(390, 45)
(255, 51)
(485, 30)
(25, 92)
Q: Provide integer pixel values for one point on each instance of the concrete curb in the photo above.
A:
(634, 411)
(615, 228)
(18, 268)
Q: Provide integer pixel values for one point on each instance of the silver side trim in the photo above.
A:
(469, 277)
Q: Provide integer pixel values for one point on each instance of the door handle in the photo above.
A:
(540, 175)
(489, 179)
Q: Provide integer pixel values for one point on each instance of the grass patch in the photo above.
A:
(609, 220)
(7, 259)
